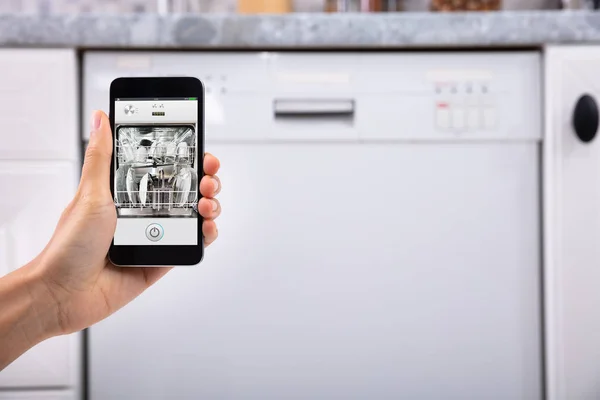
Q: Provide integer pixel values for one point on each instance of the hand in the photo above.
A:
(84, 286)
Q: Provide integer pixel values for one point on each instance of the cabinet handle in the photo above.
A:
(313, 108)
(585, 118)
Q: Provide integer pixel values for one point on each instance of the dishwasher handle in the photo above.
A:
(314, 108)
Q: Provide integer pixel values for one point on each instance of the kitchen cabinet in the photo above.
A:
(38, 104)
(39, 165)
(572, 228)
(27, 221)
(38, 395)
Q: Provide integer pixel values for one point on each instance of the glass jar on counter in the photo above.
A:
(465, 5)
(363, 5)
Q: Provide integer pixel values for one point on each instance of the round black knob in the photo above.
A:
(585, 118)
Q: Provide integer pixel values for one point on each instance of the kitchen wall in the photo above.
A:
(107, 6)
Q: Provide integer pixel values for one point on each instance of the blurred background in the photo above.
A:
(226, 6)
(411, 197)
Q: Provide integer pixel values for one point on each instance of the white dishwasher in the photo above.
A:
(380, 238)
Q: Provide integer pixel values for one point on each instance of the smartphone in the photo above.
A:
(157, 165)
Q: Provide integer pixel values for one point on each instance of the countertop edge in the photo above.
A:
(308, 31)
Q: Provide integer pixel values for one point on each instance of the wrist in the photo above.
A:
(35, 310)
(28, 313)
(45, 307)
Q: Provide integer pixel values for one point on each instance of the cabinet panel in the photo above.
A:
(29, 211)
(572, 222)
(38, 395)
(38, 104)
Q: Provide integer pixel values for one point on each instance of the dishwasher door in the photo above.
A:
(354, 264)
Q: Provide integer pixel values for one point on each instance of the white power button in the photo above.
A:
(154, 232)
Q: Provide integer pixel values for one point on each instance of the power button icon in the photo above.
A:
(154, 232)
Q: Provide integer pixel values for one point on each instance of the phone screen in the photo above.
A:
(156, 182)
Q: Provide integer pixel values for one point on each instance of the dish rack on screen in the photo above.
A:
(155, 177)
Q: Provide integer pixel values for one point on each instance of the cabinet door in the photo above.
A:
(34, 195)
(572, 228)
(38, 104)
(39, 395)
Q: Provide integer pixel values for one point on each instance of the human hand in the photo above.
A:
(74, 267)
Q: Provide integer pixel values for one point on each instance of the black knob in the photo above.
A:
(585, 118)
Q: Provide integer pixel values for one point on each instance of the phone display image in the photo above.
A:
(156, 171)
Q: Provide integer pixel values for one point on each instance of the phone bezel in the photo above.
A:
(169, 87)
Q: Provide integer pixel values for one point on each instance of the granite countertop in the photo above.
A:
(398, 30)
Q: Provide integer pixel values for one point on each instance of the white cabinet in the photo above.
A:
(572, 228)
(40, 191)
(37, 104)
(39, 165)
(37, 395)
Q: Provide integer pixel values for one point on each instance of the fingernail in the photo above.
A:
(96, 120)
(215, 184)
(214, 205)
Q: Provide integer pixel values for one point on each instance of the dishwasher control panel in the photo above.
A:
(214, 84)
(311, 96)
(464, 106)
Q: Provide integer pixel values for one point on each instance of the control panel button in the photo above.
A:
(488, 101)
(472, 118)
(489, 118)
(458, 117)
(154, 232)
(442, 116)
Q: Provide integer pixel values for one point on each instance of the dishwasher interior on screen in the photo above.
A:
(155, 170)
(380, 236)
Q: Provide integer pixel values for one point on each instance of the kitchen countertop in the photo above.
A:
(398, 30)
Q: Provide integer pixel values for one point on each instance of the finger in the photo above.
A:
(210, 232)
(96, 166)
(209, 208)
(211, 164)
(210, 186)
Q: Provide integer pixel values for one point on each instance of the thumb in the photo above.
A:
(95, 176)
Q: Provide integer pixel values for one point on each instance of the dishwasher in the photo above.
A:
(380, 235)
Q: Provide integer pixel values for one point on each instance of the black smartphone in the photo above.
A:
(157, 165)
